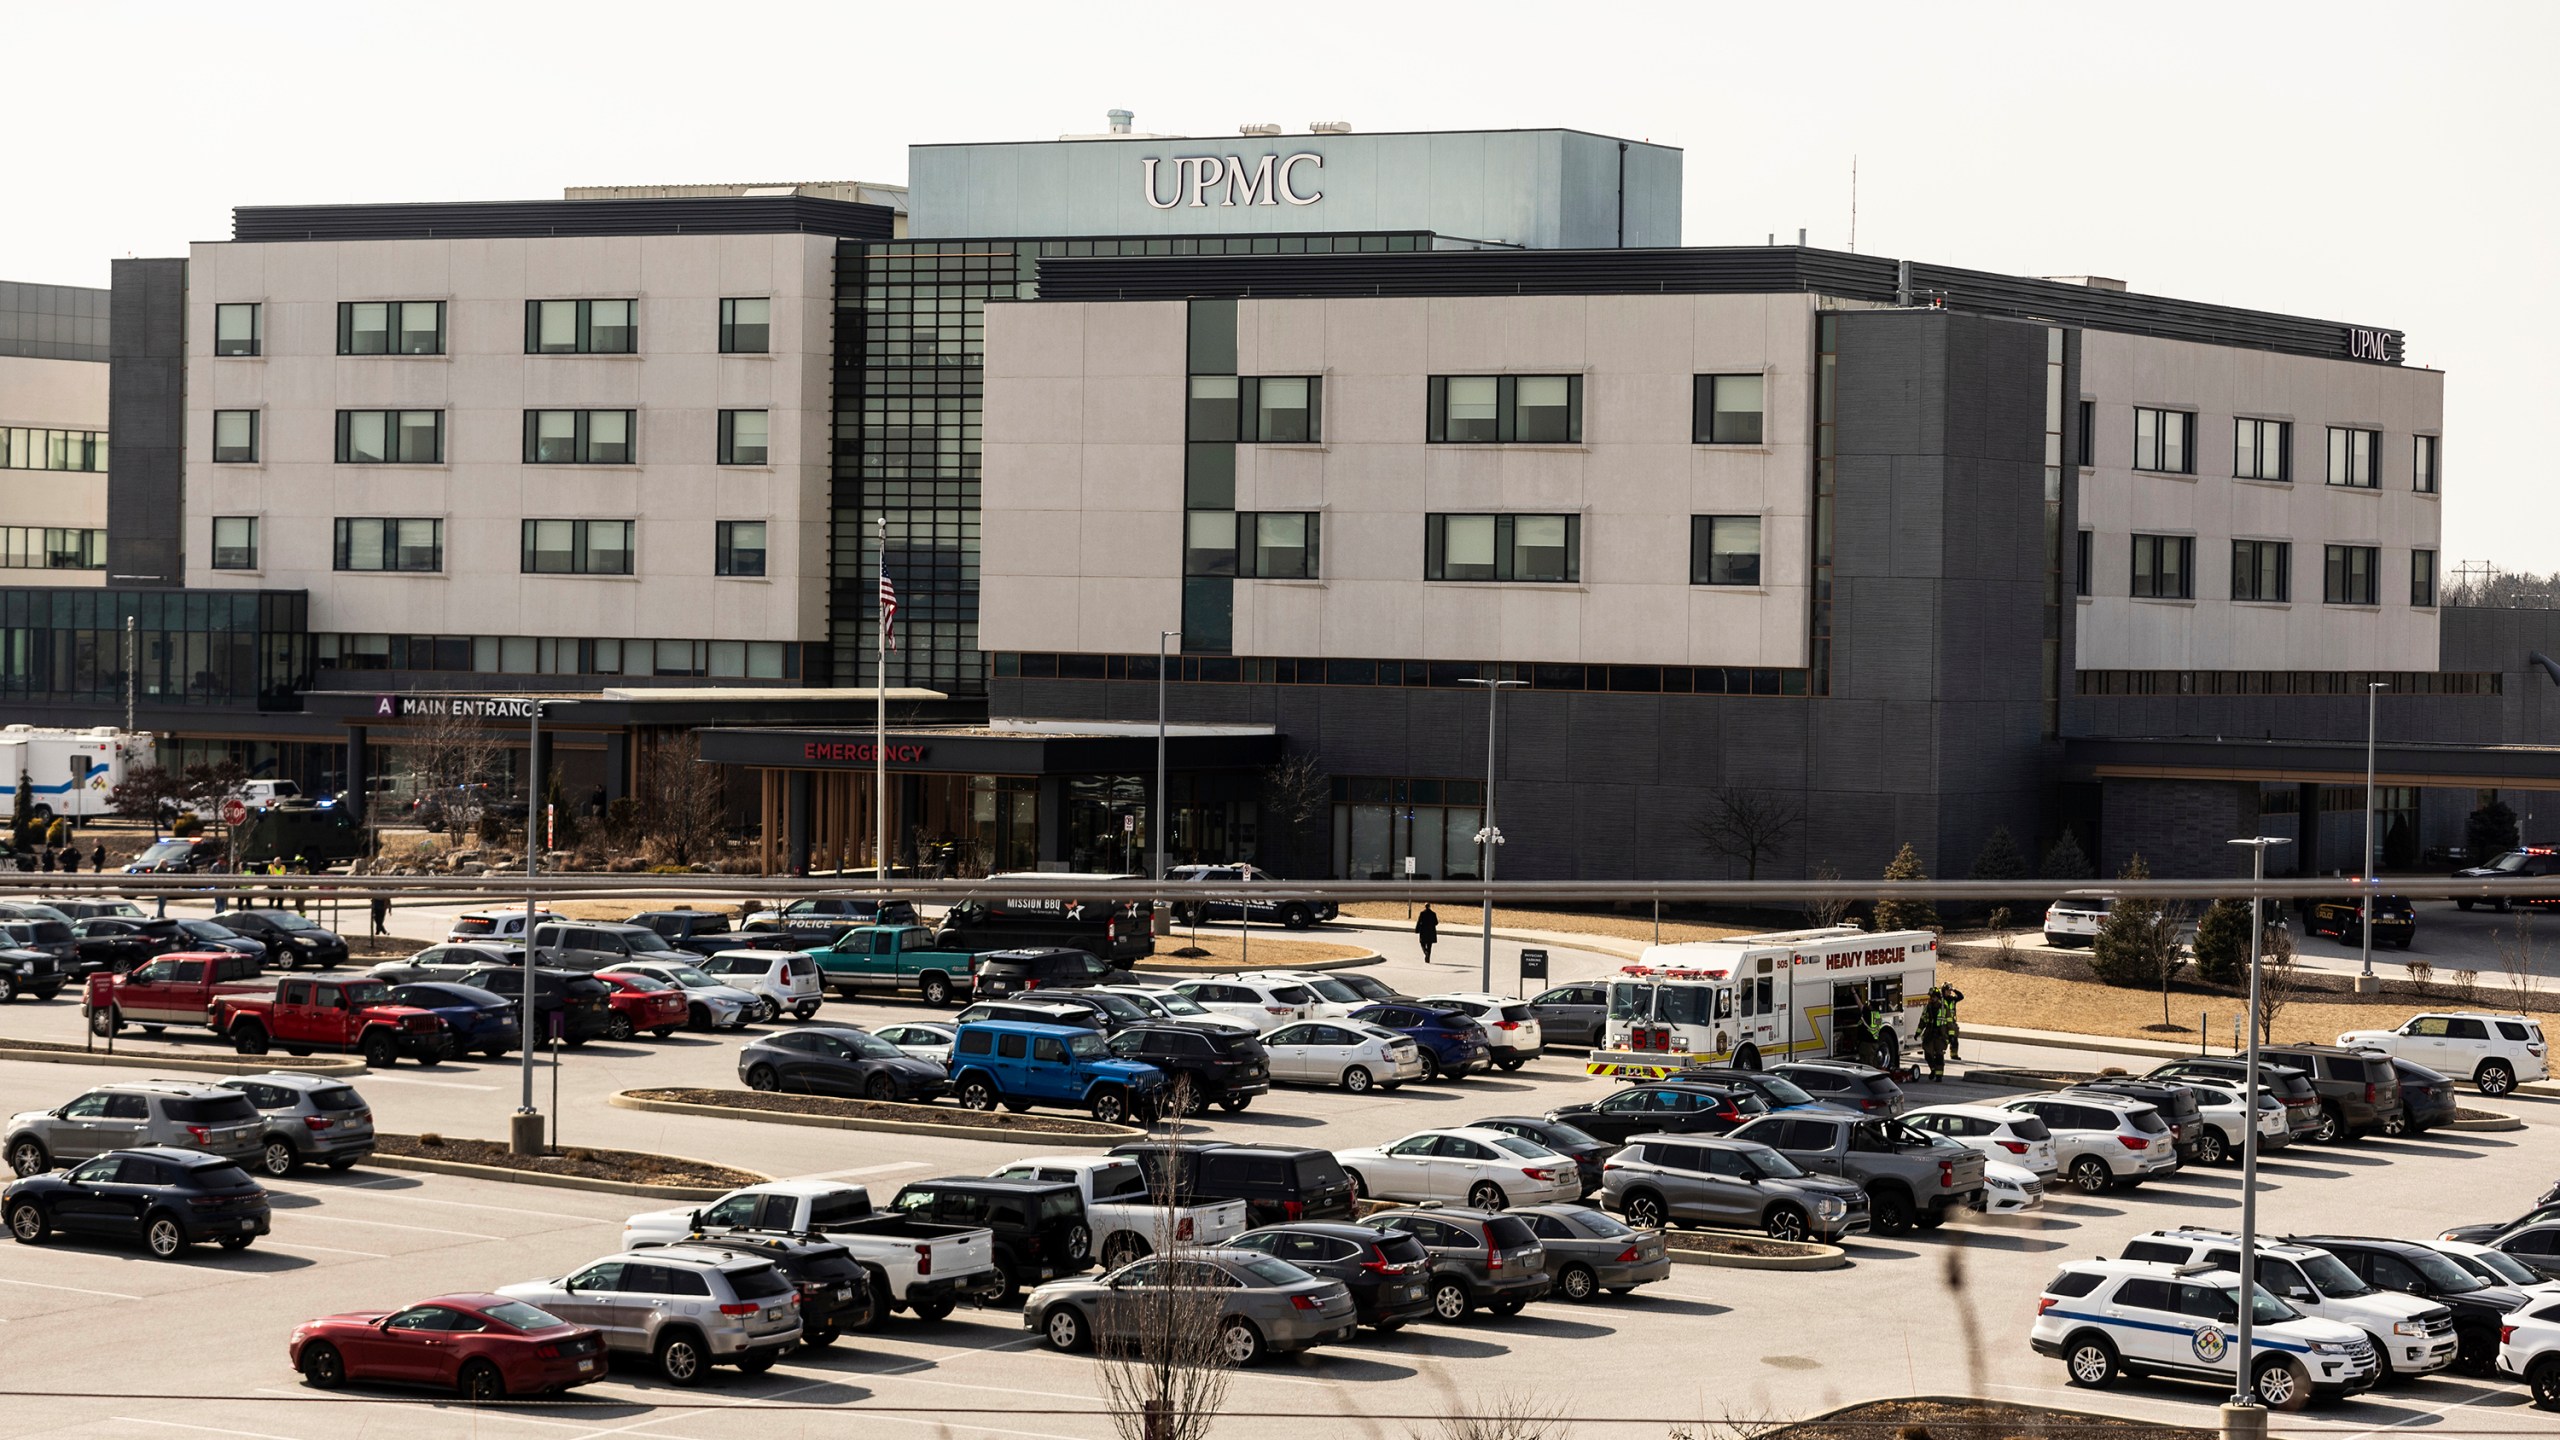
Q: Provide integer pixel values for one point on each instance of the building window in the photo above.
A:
(1506, 410)
(2423, 453)
(578, 547)
(1280, 409)
(581, 327)
(1726, 409)
(2164, 567)
(2352, 457)
(390, 327)
(1502, 547)
(1283, 548)
(739, 548)
(390, 437)
(2352, 574)
(237, 329)
(374, 544)
(744, 436)
(577, 437)
(2087, 449)
(235, 437)
(2262, 449)
(28, 447)
(746, 326)
(2422, 578)
(2261, 570)
(2164, 440)
(1724, 549)
(29, 547)
(235, 542)
(2085, 561)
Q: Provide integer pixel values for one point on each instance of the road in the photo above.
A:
(89, 1334)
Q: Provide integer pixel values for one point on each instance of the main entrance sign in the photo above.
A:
(1271, 181)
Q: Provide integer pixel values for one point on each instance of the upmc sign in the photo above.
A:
(1271, 181)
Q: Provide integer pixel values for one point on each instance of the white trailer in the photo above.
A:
(1754, 1000)
(67, 772)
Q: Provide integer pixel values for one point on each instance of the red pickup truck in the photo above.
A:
(354, 1014)
(175, 989)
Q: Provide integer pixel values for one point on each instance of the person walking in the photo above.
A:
(381, 912)
(1426, 928)
(98, 858)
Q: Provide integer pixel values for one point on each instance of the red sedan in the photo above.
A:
(640, 1003)
(486, 1347)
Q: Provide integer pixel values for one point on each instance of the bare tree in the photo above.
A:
(683, 810)
(2515, 960)
(1823, 914)
(451, 760)
(1747, 827)
(1165, 1366)
(2279, 981)
(1295, 794)
(1510, 1415)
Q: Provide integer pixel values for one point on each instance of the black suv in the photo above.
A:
(835, 1291)
(2359, 1091)
(1011, 972)
(2538, 862)
(577, 1004)
(291, 940)
(1224, 1066)
(164, 1197)
(1386, 1271)
(1039, 1225)
(2175, 1102)
(2479, 1308)
(1277, 1183)
(1662, 1107)
(708, 932)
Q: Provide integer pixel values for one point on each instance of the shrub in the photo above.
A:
(1898, 914)
(2489, 832)
(2066, 861)
(2222, 943)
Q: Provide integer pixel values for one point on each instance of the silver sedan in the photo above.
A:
(1259, 1305)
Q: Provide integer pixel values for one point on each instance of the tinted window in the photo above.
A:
(218, 1177)
(222, 1110)
(839, 1209)
(763, 1282)
(2072, 1284)
(2147, 1295)
(1010, 1047)
(1509, 1232)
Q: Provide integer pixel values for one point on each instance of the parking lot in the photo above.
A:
(90, 1333)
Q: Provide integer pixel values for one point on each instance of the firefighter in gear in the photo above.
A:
(1941, 1014)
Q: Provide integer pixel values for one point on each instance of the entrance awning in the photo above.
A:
(2321, 762)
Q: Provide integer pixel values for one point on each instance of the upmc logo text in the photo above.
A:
(1195, 177)
(861, 751)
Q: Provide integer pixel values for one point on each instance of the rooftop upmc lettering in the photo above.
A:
(1272, 181)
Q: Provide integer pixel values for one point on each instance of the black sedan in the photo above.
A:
(479, 1019)
(164, 1197)
(1564, 1138)
(2426, 1100)
(839, 1060)
(292, 941)
(1387, 1271)
(2394, 922)
(1662, 1107)
(112, 942)
(204, 935)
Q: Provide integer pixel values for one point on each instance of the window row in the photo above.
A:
(1463, 409)
(551, 437)
(30, 447)
(550, 547)
(2164, 568)
(1283, 545)
(2164, 441)
(31, 547)
(544, 655)
(551, 327)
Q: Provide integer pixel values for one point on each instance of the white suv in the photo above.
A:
(1334, 1000)
(782, 979)
(2101, 1142)
(2104, 1318)
(2074, 919)
(2497, 1052)
(2223, 1135)
(2411, 1336)
(1263, 1004)
(1510, 1026)
(2011, 1137)
(2529, 1348)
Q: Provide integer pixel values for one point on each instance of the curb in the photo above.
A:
(2492, 1125)
(2106, 1044)
(1193, 967)
(1818, 1257)
(199, 1064)
(558, 1182)
(628, 1100)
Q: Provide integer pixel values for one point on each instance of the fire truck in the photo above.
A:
(1758, 999)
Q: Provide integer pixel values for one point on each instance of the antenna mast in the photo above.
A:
(1853, 204)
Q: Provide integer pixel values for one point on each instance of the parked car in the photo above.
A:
(2529, 1349)
(2534, 862)
(1336, 997)
(1511, 1029)
(1209, 1068)
(2496, 1267)
(1028, 1011)
(1998, 1134)
(2426, 1100)
(76, 908)
(1116, 930)
(1094, 1009)
(915, 1264)
(1450, 1045)
(1479, 1258)
(2105, 1318)
(175, 857)
(2410, 1336)
(592, 946)
(1016, 1065)
(1845, 1083)
(2290, 1086)
(351, 1016)
(696, 932)
(573, 1004)
(2494, 1052)
(1912, 1177)
(782, 980)
(2009, 1189)
(2487, 1234)
(1299, 913)
(2479, 1306)
(1583, 1148)
(839, 1060)
(832, 914)
(1124, 1217)
(1369, 987)
(2074, 920)
(126, 1114)
(507, 926)
(1172, 1007)
(1663, 1107)
(310, 1120)
(709, 1004)
(481, 1347)
(921, 1040)
(2395, 920)
(2176, 1104)
(1266, 1005)
(2102, 1142)
(166, 1197)
(2223, 1137)
(2536, 1243)
(1576, 1014)
(1013, 972)
(1350, 1053)
(174, 989)
(25, 970)
(1038, 1228)
(893, 958)
(1386, 1271)
(1486, 1169)
(1776, 1091)
(1277, 1183)
(2358, 1090)
(1269, 1306)
(449, 962)
(685, 1309)
(114, 942)
(1588, 1252)
(177, 935)
(291, 940)
(54, 938)
(835, 1293)
(479, 1020)
(643, 1002)
(1659, 1180)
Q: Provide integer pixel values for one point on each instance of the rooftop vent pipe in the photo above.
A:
(1119, 120)
(1259, 127)
(1329, 127)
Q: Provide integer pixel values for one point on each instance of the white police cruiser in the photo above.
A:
(2104, 1318)
(2410, 1336)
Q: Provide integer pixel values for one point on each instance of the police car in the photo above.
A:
(2104, 1318)
(2410, 1336)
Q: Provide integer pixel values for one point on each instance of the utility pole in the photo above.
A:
(1490, 837)
(2242, 1416)
(1155, 831)
(2366, 984)
(525, 1133)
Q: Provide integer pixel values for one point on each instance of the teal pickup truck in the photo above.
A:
(894, 957)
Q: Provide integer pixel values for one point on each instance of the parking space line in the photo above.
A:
(388, 1225)
(328, 1250)
(74, 1289)
(321, 1191)
(1000, 1389)
(863, 1170)
(206, 1429)
(378, 1078)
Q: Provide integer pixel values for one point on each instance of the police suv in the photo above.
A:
(2104, 1318)
(2410, 1336)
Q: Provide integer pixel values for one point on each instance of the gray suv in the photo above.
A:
(311, 1120)
(1478, 1257)
(686, 1307)
(1734, 1184)
(134, 1114)
(592, 947)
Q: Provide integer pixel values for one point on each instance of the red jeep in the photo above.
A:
(354, 1014)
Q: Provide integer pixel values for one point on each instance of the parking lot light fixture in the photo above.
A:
(2365, 983)
(2243, 1393)
(1489, 839)
(525, 1128)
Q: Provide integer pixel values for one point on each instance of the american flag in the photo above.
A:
(888, 612)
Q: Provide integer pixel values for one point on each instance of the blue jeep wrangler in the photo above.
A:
(1018, 1065)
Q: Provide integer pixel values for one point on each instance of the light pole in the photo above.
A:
(525, 1131)
(2365, 983)
(2243, 1393)
(1155, 831)
(1490, 837)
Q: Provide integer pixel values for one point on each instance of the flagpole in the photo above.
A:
(880, 725)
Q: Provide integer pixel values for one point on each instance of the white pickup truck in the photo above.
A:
(1126, 1220)
(917, 1265)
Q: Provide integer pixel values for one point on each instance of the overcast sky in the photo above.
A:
(2378, 164)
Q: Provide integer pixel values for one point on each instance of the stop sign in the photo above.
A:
(234, 811)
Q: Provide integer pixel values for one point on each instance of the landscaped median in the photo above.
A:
(832, 1113)
(165, 1059)
(616, 1172)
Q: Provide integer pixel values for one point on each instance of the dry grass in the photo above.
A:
(1636, 926)
(1226, 946)
(2085, 1007)
(617, 911)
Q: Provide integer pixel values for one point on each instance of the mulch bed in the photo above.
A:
(627, 1166)
(1732, 1245)
(1950, 1419)
(998, 1122)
